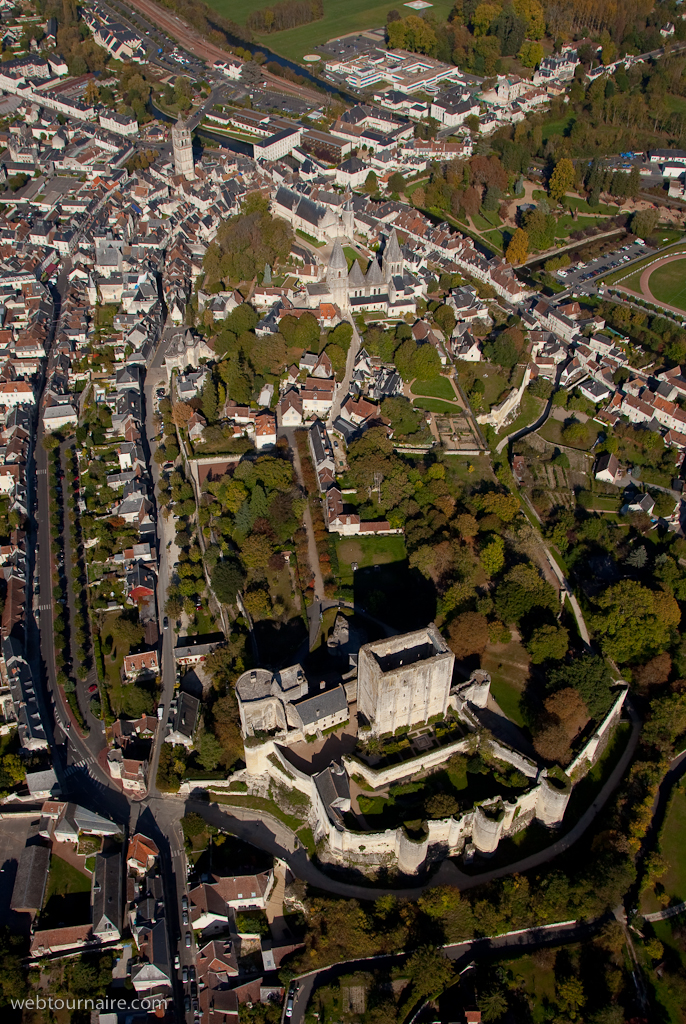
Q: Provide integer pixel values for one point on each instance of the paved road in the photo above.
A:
(156, 377)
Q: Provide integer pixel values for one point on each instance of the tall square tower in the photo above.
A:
(404, 680)
(182, 145)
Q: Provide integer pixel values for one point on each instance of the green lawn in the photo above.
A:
(496, 384)
(668, 284)
(529, 410)
(339, 19)
(552, 431)
(368, 551)
(557, 127)
(67, 895)
(496, 238)
(673, 850)
(309, 238)
(666, 994)
(350, 255)
(508, 667)
(439, 387)
(481, 223)
(435, 405)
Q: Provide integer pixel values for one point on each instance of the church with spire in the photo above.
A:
(386, 286)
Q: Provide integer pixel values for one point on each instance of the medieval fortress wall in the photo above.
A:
(403, 681)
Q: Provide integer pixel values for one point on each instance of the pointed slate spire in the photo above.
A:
(356, 277)
(374, 275)
(392, 253)
(338, 260)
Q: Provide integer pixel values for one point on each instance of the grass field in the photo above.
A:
(496, 385)
(368, 551)
(440, 387)
(673, 851)
(668, 284)
(529, 410)
(67, 895)
(508, 666)
(496, 238)
(552, 431)
(435, 405)
(557, 127)
(339, 19)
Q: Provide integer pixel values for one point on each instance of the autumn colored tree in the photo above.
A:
(562, 179)
(517, 250)
(566, 715)
(182, 413)
(468, 634)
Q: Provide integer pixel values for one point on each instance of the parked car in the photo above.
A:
(188, 940)
(184, 902)
(184, 974)
(187, 1004)
(176, 961)
(184, 917)
(165, 622)
(93, 688)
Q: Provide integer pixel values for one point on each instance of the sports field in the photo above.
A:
(341, 17)
(668, 284)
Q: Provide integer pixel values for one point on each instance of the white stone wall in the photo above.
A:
(589, 754)
(500, 414)
(378, 777)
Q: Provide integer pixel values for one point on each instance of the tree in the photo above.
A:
(445, 318)
(441, 805)
(429, 971)
(210, 753)
(531, 54)
(562, 179)
(126, 632)
(548, 643)
(468, 634)
(228, 578)
(566, 716)
(256, 551)
(492, 557)
(633, 622)
(493, 1005)
(208, 399)
(504, 506)
(181, 414)
(371, 183)
(644, 222)
(518, 248)
(396, 182)
(589, 675)
(51, 441)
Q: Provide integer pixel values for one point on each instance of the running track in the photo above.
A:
(645, 292)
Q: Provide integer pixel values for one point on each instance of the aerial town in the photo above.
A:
(342, 512)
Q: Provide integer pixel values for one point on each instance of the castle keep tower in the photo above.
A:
(404, 680)
(183, 150)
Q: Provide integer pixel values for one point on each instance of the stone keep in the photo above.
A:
(404, 680)
(182, 144)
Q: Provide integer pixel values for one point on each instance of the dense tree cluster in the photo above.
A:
(284, 15)
(246, 242)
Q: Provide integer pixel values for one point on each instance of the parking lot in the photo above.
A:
(581, 276)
